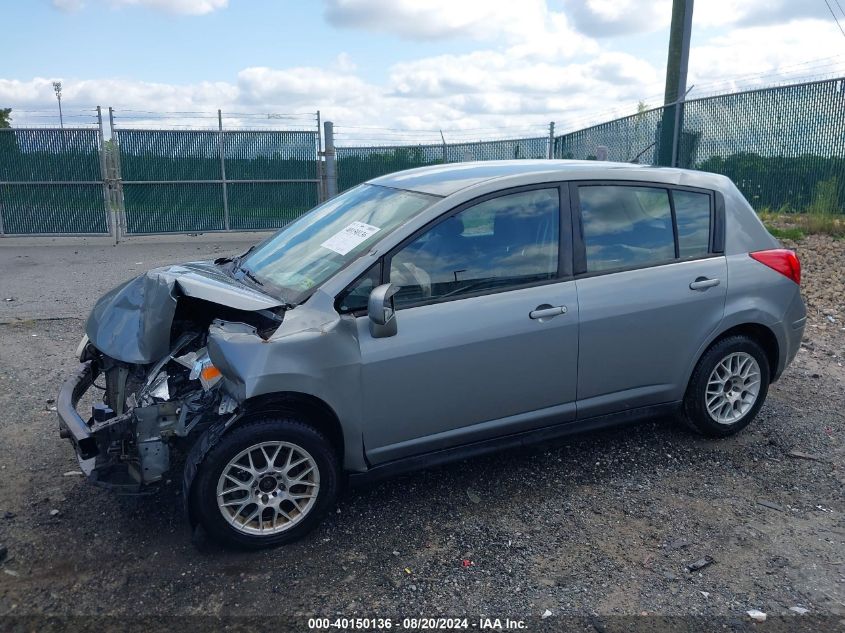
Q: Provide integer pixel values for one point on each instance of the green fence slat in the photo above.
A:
(152, 156)
(270, 155)
(53, 160)
(784, 147)
(268, 205)
(38, 209)
(631, 139)
(169, 154)
(359, 164)
(498, 150)
(37, 155)
(173, 208)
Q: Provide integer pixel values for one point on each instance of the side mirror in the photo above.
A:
(382, 311)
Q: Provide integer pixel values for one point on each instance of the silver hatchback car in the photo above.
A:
(432, 315)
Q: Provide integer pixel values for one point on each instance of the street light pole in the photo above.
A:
(57, 87)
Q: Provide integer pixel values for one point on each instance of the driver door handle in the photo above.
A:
(546, 311)
(703, 283)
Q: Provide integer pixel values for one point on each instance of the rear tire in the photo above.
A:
(727, 388)
(266, 483)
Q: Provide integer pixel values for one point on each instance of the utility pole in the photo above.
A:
(676, 82)
(57, 88)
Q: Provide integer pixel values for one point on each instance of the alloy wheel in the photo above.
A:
(268, 488)
(733, 387)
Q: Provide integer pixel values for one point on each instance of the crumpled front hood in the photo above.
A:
(132, 322)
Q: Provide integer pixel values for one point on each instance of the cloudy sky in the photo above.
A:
(395, 69)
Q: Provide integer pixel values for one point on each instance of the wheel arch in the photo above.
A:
(762, 335)
(758, 332)
(320, 415)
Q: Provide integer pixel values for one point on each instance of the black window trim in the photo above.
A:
(342, 294)
(716, 244)
(566, 242)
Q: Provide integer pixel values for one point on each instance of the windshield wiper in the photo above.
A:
(251, 276)
(237, 260)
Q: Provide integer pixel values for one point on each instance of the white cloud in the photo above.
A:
(187, 7)
(261, 85)
(715, 13)
(528, 26)
(432, 19)
(610, 18)
(69, 5)
(531, 67)
(768, 54)
(343, 62)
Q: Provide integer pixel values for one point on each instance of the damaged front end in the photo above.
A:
(153, 408)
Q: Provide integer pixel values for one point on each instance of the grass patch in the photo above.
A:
(794, 226)
(826, 223)
(792, 233)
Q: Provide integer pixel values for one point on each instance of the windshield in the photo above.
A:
(308, 251)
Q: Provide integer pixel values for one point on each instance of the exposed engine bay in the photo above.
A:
(153, 405)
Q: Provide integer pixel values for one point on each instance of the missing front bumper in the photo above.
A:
(100, 468)
(71, 424)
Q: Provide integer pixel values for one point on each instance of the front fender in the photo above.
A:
(322, 362)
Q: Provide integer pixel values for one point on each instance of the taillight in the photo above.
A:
(782, 260)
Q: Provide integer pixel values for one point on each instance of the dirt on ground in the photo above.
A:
(649, 519)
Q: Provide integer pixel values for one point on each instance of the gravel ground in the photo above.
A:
(597, 526)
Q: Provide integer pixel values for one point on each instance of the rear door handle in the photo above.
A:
(546, 311)
(703, 283)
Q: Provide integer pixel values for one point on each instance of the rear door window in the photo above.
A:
(626, 227)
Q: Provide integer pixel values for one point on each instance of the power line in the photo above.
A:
(829, 8)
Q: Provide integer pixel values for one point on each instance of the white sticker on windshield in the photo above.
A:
(345, 240)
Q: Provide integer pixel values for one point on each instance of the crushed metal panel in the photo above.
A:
(132, 322)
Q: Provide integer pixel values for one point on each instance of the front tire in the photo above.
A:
(266, 483)
(727, 388)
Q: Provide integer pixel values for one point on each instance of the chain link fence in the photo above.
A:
(177, 181)
(359, 164)
(51, 182)
(784, 147)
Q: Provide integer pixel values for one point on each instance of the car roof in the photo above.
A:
(444, 180)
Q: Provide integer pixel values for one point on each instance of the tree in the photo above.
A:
(5, 115)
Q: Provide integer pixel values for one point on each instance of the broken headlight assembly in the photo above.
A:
(146, 411)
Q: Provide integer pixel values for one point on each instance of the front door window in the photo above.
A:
(498, 244)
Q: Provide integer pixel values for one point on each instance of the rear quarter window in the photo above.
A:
(693, 215)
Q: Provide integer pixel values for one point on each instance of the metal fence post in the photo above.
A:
(111, 220)
(223, 172)
(677, 132)
(115, 181)
(322, 189)
(551, 140)
(329, 154)
(2, 226)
